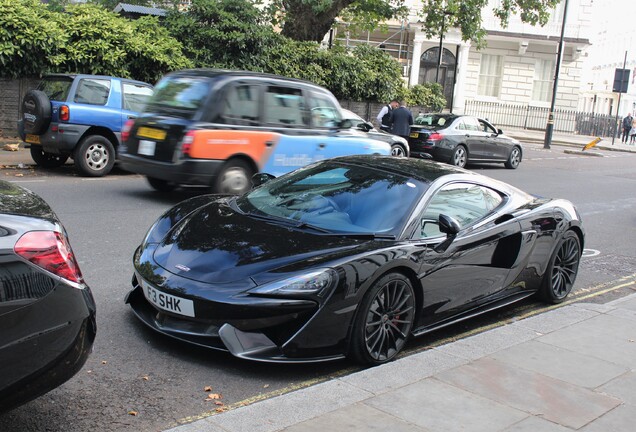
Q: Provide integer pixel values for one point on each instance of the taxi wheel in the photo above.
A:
(235, 178)
(47, 160)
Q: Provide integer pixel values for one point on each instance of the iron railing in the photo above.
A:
(535, 118)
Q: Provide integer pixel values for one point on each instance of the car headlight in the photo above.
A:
(316, 282)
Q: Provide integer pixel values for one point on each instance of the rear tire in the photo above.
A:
(47, 160)
(36, 109)
(235, 178)
(514, 159)
(562, 269)
(95, 156)
(398, 151)
(384, 320)
(162, 185)
(460, 156)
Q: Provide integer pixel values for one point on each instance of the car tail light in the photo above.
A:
(51, 251)
(125, 131)
(186, 143)
(435, 137)
(65, 113)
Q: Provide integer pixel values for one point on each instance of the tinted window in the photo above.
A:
(434, 121)
(179, 95)
(92, 91)
(466, 203)
(136, 96)
(283, 106)
(56, 88)
(240, 105)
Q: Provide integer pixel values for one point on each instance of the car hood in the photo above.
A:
(216, 244)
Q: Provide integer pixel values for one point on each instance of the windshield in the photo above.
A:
(181, 94)
(338, 197)
(56, 88)
(434, 121)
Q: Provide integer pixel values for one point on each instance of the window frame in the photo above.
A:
(482, 86)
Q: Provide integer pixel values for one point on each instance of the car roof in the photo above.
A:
(73, 76)
(214, 73)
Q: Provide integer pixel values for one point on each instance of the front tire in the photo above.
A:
(514, 159)
(384, 320)
(95, 156)
(235, 178)
(562, 269)
(460, 156)
(47, 160)
(398, 151)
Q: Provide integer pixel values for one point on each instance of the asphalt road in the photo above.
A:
(135, 371)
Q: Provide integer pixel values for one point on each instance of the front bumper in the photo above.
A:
(261, 329)
(189, 172)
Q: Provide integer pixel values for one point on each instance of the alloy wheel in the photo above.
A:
(566, 264)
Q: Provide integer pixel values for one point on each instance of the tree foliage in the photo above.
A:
(428, 95)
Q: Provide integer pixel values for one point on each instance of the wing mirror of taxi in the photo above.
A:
(261, 178)
(450, 227)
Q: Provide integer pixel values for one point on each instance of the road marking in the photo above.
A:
(623, 282)
(27, 181)
(590, 253)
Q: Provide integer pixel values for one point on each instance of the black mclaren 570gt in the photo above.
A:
(349, 257)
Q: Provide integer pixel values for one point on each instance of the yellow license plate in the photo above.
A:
(155, 134)
(414, 135)
(33, 139)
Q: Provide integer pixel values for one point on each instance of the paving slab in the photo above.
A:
(531, 392)
(623, 418)
(556, 319)
(438, 406)
(622, 387)
(536, 424)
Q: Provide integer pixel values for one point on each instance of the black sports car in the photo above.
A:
(349, 257)
(462, 139)
(47, 312)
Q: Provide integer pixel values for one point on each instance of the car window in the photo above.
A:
(283, 106)
(465, 202)
(471, 124)
(486, 127)
(240, 105)
(324, 112)
(179, 95)
(434, 121)
(56, 88)
(92, 91)
(136, 96)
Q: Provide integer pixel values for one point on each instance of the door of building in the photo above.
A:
(446, 76)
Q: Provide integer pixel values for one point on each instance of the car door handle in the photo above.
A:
(322, 145)
(269, 143)
(131, 116)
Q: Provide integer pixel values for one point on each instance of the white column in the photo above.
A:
(415, 61)
(459, 98)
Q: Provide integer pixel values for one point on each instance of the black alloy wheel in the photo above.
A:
(47, 160)
(384, 321)
(562, 269)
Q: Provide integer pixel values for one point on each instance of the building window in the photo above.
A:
(490, 75)
(542, 86)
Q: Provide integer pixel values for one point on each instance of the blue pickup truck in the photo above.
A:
(81, 117)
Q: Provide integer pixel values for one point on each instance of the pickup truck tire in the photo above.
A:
(94, 156)
(36, 109)
(47, 160)
(161, 185)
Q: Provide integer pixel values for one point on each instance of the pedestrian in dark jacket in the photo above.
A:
(401, 121)
(627, 126)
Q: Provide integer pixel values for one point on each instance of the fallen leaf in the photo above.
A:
(213, 396)
(218, 403)
(11, 147)
(104, 362)
(221, 409)
(145, 378)
(207, 388)
(19, 175)
(90, 371)
(266, 385)
(132, 413)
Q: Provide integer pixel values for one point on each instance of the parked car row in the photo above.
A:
(332, 247)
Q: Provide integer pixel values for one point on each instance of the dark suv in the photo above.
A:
(218, 128)
(79, 116)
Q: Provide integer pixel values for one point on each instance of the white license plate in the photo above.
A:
(168, 302)
(146, 147)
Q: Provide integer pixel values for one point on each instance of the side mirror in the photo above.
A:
(450, 227)
(260, 178)
(365, 126)
(499, 132)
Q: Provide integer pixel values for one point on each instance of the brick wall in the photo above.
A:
(11, 93)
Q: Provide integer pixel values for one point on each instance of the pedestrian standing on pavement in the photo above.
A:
(385, 114)
(401, 120)
(627, 127)
(632, 133)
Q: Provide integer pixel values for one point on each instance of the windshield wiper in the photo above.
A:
(371, 236)
(288, 222)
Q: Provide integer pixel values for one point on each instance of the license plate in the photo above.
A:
(168, 302)
(414, 135)
(33, 139)
(155, 134)
(146, 148)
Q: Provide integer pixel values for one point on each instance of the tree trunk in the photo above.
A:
(302, 23)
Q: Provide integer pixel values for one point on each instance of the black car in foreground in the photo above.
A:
(462, 139)
(350, 257)
(47, 312)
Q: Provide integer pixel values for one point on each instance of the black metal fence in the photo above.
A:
(536, 118)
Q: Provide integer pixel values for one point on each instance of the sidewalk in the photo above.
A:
(573, 368)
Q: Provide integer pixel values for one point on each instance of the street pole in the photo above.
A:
(550, 126)
(441, 42)
(618, 106)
